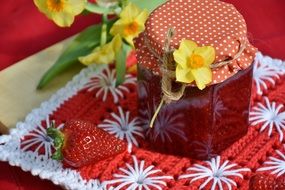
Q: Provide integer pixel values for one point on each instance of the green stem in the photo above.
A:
(58, 141)
(120, 67)
(124, 3)
(94, 8)
(104, 30)
(121, 59)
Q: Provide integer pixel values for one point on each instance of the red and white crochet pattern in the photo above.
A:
(93, 95)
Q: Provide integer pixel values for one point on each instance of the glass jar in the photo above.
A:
(201, 123)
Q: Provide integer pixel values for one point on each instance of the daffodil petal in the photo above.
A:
(130, 40)
(104, 54)
(42, 6)
(117, 43)
(88, 59)
(208, 54)
(107, 59)
(75, 6)
(119, 27)
(184, 75)
(180, 58)
(141, 18)
(131, 11)
(202, 76)
(63, 19)
(187, 46)
(185, 51)
(97, 58)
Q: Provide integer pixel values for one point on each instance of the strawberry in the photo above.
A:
(262, 182)
(81, 143)
(266, 182)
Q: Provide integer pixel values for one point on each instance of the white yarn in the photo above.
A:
(267, 70)
(275, 63)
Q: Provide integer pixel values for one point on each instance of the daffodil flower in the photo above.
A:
(131, 23)
(105, 54)
(193, 63)
(62, 12)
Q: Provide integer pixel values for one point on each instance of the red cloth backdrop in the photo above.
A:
(24, 31)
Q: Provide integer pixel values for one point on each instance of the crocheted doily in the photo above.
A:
(93, 95)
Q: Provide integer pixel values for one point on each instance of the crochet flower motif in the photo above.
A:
(39, 139)
(105, 83)
(166, 124)
(217, 172)
(277, 166)
(218, 107)
(137, 177)
(269, 116)
(123, 128)
(204, 149)
(275, 63)
(264, 73)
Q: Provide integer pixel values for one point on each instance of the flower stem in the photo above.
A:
(124, 3)
(121, 57)
(104, 30)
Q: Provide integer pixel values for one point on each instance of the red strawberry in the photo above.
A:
(81, 143)
(262, 182)
(266, 182)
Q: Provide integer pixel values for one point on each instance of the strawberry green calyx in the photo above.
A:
(58, 141)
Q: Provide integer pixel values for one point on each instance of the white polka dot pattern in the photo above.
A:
(207, 22)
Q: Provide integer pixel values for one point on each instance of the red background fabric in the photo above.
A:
(24, 31)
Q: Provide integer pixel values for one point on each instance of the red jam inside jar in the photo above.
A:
(202, 123)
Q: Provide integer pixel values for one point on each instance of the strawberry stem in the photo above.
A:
(58, 141)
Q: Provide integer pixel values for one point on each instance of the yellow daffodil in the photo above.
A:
(62, 12)
(193, 63)
(131, 23)
(105, 54)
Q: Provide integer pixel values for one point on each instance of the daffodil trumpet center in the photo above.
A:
(55, 5)
(195, 61)
(132, 28)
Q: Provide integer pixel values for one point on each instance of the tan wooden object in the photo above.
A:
(18, 94)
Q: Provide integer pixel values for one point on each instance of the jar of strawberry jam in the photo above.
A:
(199, 123)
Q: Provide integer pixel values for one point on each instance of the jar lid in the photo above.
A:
(208, 23)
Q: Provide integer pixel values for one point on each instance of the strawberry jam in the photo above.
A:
(202, 123)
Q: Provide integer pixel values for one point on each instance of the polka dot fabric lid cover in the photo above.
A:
(207, 22)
